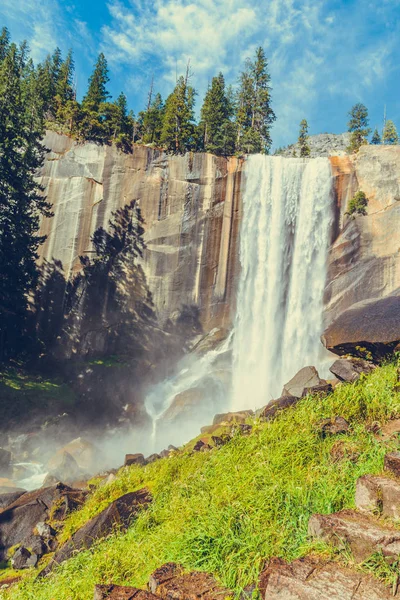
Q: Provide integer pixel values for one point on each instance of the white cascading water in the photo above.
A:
(284, 239)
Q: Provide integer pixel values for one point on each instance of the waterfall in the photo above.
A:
(284, 239)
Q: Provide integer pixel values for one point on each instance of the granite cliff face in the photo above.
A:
(192, 210)
(362, 294)
(190, 206)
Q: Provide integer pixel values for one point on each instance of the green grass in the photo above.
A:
(228, 510)
(23, 394)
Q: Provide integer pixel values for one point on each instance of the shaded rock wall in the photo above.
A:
(191, 209)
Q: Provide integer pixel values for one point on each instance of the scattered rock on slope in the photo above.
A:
(350, 369)
(119, 513)
(19, 520)
(312, 579)
(362, 534)
(378, 495)
(306, 379)
(169, 582)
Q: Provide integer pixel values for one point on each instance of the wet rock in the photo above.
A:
(10, 497)
(119, 513)
(119, 592)
(169, 582)
(392, 463)
(5, 460)
(270, 411)
(313, 579)
(134, 459)
(50, 480)
(63, 467)
(232, 417)
(24, 559)
(350, 369)
(378, 495)
(363, 535)
(305, 379)
(334, 426)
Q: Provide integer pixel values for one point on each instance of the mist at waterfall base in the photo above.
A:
(285, 233)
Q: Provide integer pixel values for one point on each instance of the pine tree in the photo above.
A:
(254, 115)
(91, 125)
(390, 135)
(97, 92)
(177, 133)
(303, 139)
(376, 138)
(117, 123)
(21, 203)
(263, 115)
(64, 85)
(216, 128)
(358, 127)
(4, 43)
(152, 121)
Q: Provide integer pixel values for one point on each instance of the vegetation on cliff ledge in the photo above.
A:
(228, 510)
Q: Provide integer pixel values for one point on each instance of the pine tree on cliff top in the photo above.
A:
(390, 135)
(97, 91)
(358, 127)
(254, 115)
(216, 128)
(303, 139)
(376, 138)
(21, 202)
(178, 126)
(153, 121)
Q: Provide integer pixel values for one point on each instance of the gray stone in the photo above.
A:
(24, 559)
(322, 144)
(350, 369)
(305, 379)
(378, 495)
(134, 459)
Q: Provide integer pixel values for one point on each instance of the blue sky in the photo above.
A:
(325, 55)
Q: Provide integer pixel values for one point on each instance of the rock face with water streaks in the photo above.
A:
(190, 205)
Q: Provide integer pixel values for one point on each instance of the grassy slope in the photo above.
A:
(228, 510)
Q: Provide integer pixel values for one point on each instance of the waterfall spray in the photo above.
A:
(287, 218)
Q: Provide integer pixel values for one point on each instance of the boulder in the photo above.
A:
(392, 463)
(232, 417)
(119, 513)
(333, 426)
(19, 520)
(378, 495)
(201, 446)
(134, 459)
(311, 578)
(370, 326)
(271, 410)
(350, 369)
(305, 379)
(63, 467)
(24, 559)
(152, 458)
(362, 534)
(87, 456)
(169, 582)
(119, 592)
